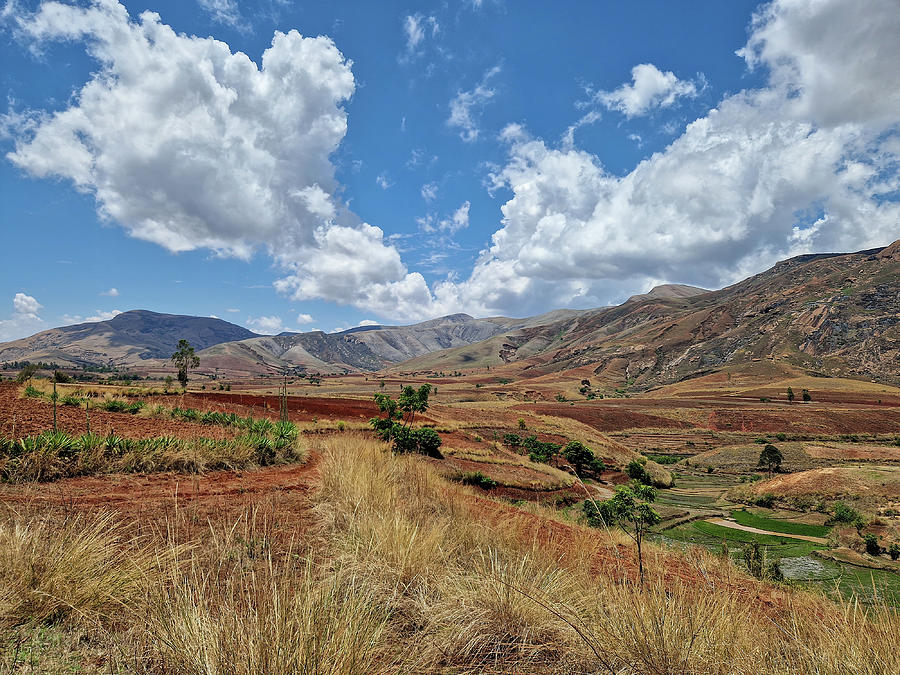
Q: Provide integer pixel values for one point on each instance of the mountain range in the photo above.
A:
(831, 314)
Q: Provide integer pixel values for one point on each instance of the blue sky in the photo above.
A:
(393, 161)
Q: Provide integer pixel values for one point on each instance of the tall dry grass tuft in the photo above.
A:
(272, 618)
(88, 567)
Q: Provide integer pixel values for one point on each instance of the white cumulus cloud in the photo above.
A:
(26, 304)
(24, 320)
(267, 325)
(188, 145)
(303, 319)
(650, 88)
(112, 293)
(765, 175)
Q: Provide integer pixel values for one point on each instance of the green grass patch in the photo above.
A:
(751, 519)
(664, 459)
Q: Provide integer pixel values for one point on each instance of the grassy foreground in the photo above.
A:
(393, 570)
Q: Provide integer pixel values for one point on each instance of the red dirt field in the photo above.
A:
(301, 408)
(187, 502)
(807, 420)
(868, 453)
(605, 418)
(24, 416)
(725, 415)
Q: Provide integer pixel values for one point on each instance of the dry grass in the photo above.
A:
(81, 567)
(408, 573)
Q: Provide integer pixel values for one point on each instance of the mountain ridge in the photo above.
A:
(825, 312)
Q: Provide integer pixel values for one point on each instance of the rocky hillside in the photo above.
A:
(371, 348)
(126, 340)
(831, 314)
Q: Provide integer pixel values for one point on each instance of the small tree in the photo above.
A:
(184, 359)
(581, 458)
(636, 470)
(770, 458)
(805, 396)
(790, 395)
(396, 425)
(894, 550)
(872, 545)
(27, 372)
(629, 509)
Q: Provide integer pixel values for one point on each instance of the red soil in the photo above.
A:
(188, 502)
(300, 408)
(25, 416)
(603, 418)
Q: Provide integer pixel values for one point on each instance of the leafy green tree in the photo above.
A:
(872, 545)
(638, 472)
(805, 395)
(396, 425)
(790, 395)
(770, 458)
(630, 509)
(184, 359)
(581, 458)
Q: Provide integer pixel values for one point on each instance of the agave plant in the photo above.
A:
(284, 433)
(262, 426)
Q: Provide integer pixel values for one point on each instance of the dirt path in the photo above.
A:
(735, 526)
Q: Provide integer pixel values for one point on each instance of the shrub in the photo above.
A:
(33, 392)
(512, 440)
(636, 471)
(428, 442)
(841, 513)
(894, 550)
(26, 373)
(522, 426)
(582, 458)
(114, 405)
(872, 546)
(766, 501)
(540, 451)
(477, 479)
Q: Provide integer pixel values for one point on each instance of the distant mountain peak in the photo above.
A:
(669, 291)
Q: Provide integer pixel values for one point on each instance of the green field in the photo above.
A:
(797, 562)
(755, 519)
(710, 535)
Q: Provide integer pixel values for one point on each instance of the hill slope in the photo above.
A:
(125, 340)
(833, 314)
(370, 349)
